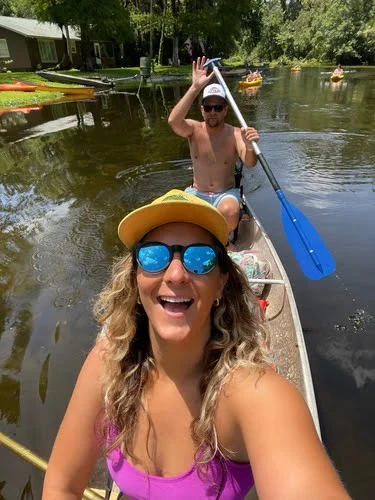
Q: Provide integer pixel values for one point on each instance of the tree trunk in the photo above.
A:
(160, 53)
(66, 61)
(175, 9)
(68, 42)
(175, 51)
(87, 62)
(121, 55)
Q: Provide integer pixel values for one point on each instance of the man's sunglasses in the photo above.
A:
(218, 108)
(198, 258)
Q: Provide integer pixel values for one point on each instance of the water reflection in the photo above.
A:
(43, 379)
(10, 400)
(27, 492)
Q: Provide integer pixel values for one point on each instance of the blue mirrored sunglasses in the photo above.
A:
(198, 258)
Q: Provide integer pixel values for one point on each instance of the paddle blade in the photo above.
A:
(321, 263)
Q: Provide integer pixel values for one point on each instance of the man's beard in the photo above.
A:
(214, 124)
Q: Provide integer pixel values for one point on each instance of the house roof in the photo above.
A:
(31, 28)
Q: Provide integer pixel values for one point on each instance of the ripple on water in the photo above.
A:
(324, 163)
(70, 254)
(141, 183)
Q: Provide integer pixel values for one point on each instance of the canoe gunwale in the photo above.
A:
(309, 393)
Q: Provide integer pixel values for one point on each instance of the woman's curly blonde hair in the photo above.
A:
(238, 339)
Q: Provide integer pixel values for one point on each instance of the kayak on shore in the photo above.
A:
(11, 87)
(26, 87)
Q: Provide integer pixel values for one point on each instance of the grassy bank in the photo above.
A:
(15, 99)
(12, 99)
(129, 72)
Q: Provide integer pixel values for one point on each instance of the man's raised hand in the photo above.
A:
(199, 74)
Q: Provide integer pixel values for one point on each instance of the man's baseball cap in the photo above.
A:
(214, 90)
(174, 206)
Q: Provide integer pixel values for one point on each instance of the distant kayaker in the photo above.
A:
(214, 145)
(249, 76)
(338, 71)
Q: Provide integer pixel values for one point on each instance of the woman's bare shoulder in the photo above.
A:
(278, 433)
(261, 388)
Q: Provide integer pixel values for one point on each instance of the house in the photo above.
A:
(30, 45)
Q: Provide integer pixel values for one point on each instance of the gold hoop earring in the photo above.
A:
(139, 300)
(216, 301)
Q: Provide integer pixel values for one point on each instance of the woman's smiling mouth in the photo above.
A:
(174, 304)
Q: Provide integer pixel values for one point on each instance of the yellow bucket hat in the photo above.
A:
(174, 206)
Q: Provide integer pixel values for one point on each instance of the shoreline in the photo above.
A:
(11, 100)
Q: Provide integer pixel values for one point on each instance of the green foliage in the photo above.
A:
(270, 20)
(339, 30)
(285, 30)
(104, 20)
(16, 8)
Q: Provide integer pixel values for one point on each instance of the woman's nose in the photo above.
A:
(176, 271)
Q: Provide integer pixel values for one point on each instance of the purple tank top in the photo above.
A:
(226, 480)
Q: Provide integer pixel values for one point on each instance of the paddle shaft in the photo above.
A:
(37, 461)
(265, 166)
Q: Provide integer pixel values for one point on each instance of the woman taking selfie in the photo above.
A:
(178, 393)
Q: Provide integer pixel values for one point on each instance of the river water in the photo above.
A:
(69, 172)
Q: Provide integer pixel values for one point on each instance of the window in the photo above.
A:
(4, 52)
(47, 50)
(73, 46)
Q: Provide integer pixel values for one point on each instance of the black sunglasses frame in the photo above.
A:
(177, 248)
(217, 107)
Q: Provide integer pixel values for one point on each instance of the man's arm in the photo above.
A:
(177, 119)
(245, 151)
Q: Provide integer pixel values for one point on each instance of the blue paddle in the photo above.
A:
(309, 249)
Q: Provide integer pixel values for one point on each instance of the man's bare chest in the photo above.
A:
(213, 147)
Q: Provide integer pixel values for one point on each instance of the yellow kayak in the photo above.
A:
(253, 83)
(337, 78)
(81, 91)
(295, 69)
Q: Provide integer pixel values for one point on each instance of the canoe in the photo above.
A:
(52, 76)
(287, 341)
(337, 78)
(17, 87)
(253, 83)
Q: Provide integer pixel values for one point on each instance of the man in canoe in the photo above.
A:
(214, 145)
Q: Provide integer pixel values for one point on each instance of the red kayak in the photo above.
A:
(25, 110)
(23, 87)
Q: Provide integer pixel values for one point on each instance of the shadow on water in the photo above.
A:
(71, 171)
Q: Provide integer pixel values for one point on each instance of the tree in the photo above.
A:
(95, 19)
(16, 8)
